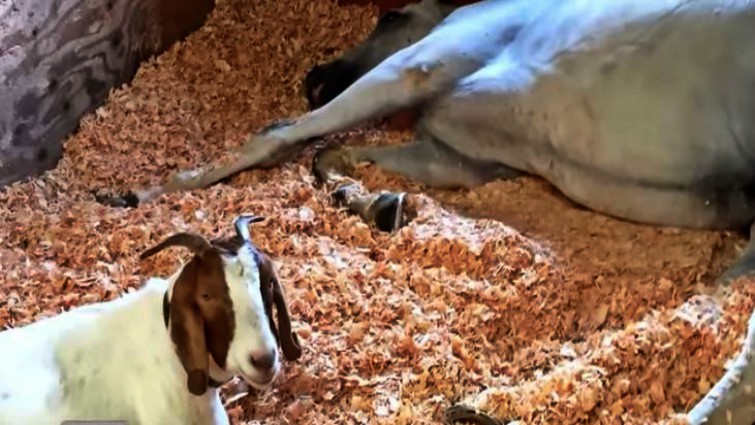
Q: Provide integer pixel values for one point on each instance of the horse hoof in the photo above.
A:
(460, 413)
(388, 211)
(127, 200)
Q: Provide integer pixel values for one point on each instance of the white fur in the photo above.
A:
(252, 329)
(122, 352)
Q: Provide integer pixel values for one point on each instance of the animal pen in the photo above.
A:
(506, 297)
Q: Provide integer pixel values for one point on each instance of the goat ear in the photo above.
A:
(187, 329)
(289, 341)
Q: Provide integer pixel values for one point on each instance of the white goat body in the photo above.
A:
(107, 361)
(152, 356)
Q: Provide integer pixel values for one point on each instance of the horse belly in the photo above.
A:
(665, 118)
(652, 124)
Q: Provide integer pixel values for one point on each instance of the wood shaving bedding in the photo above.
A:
(507, 296)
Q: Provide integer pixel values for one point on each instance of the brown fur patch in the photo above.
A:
(201, 315)
(202, 319)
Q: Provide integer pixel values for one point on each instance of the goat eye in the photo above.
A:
(206, 297)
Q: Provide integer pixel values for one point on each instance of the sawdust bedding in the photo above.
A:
(547, 314)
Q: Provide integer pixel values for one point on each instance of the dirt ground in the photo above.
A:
(507, 297)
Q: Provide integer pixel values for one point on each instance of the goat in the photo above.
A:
(637, 109)
(158, 355)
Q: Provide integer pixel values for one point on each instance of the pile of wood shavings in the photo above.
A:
(585, 319)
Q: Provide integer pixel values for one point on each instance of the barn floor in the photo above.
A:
(550, 314)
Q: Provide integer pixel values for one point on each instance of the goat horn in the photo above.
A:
(242, 222)
(193, 241)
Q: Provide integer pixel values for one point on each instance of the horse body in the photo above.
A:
(640, 110)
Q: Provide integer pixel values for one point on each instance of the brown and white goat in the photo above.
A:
(155, 356)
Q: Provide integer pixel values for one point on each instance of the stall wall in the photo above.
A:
(60, 58)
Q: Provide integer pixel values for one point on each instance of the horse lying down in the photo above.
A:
(638, 109)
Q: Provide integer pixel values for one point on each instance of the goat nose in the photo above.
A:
(263, 359)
